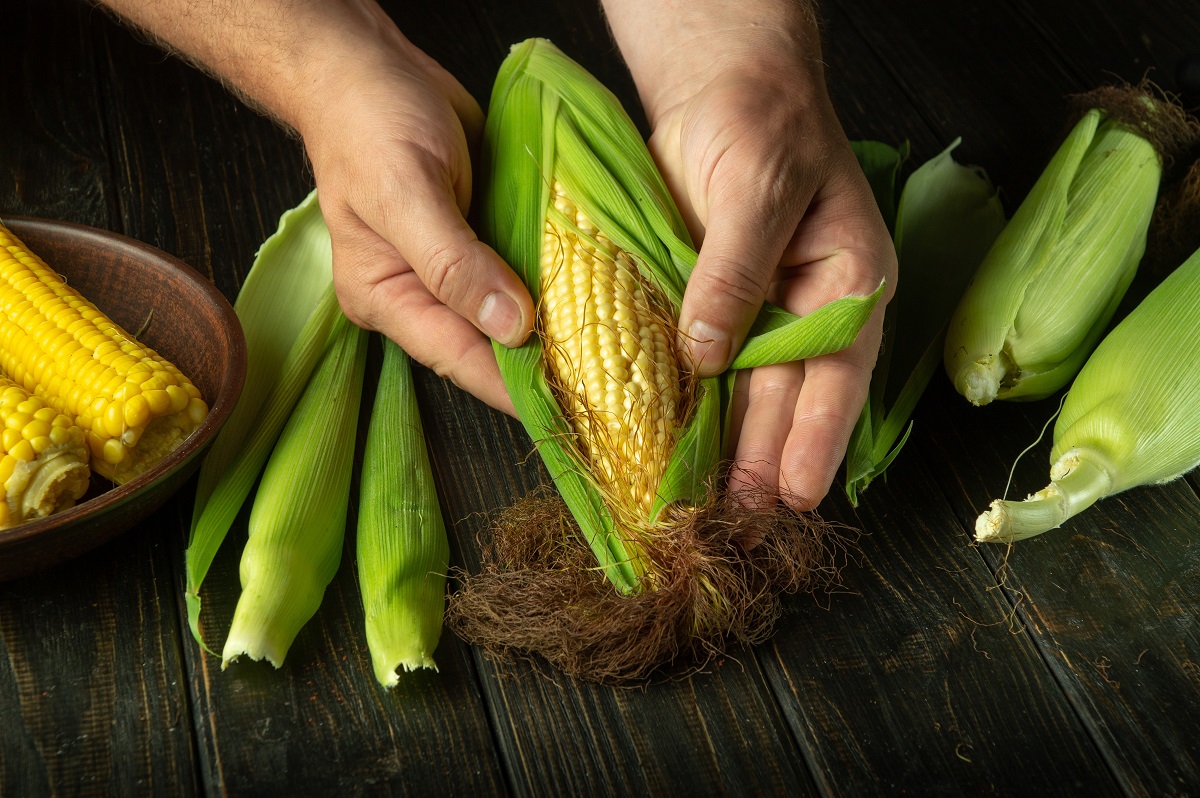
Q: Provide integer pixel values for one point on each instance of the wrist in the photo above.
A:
(674, 48)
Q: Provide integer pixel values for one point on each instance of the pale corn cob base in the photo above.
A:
(40, 488)
(43, 459)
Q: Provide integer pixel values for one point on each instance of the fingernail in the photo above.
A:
(500, 317)
(709, 348)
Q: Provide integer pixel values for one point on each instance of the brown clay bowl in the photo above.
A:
(192, 325)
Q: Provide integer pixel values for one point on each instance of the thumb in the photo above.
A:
(747, 231)
(459, 270)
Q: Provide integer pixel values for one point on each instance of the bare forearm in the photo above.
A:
(276, 53)
(670, 45)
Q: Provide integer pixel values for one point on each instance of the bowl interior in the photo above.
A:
(175, 311)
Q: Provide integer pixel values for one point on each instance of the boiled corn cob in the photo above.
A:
(43, 458)
(133, 405)
(1129, 419)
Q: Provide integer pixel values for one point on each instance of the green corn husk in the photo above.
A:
(550, 121)
(298, 521)
(1129, 419)
(948, 217)
(286, 307)
(403, 551)
(1048, 288)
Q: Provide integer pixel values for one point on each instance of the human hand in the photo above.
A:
(388, 132)
(747, 139)
(390, 150)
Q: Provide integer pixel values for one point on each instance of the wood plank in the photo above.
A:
(91, 680)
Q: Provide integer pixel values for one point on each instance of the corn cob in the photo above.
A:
(1129, 418)
(573, 201)
(43, 459)
(576, 204)
(298, 521)
(133, 405)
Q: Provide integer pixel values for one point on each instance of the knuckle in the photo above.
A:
(446, 267)
(733, 280)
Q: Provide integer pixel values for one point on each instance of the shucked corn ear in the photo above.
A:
(573, 201)
(43, 458)
(1132, 416)
(133, 405)
(948, 217)
(1048, 287)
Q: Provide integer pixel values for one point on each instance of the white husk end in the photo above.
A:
(980, 381)
(256, 650)
(1078, 480)
(388, 674)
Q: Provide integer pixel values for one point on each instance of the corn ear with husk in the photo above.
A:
(1049, 286)
(574, 202)
(948, 216)
(1129, 419)
(403, 551)
(287, 308)
(298, 521)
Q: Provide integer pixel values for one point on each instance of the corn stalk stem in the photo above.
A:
(1083, 482)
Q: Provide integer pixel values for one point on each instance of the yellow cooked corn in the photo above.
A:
(133, 405)
(43, 459)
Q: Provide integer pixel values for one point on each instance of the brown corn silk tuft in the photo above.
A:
(723, 571)
(1148, 111)
(1174, 232)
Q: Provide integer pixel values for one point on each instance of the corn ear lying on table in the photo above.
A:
(298, 521)
(403, 551)
(949, 215)
(1052, 281)
(573, 201)
(287, 307)
(133, 405)
(1132, 416)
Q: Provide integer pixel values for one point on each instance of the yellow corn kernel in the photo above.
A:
(43, 459)
(58, 345)
(612, 356)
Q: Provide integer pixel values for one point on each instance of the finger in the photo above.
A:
(745, 237)
(771, 396)
(400, 307)
(458, 269)
(835, 388)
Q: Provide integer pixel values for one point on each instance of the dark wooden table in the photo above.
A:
(1067, 665)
